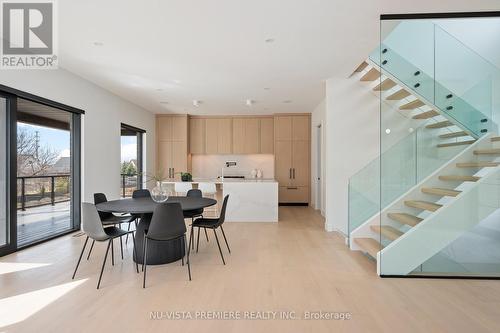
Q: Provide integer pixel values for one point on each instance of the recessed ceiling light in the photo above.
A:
(176, 81)
(287, 101)
(159, 89)
(98, 44)
(267, 88)
(196, 103)
(269, 40)
(163, 102)
(249, 102)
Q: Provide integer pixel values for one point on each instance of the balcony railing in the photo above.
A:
(130, 183)
(35, 191)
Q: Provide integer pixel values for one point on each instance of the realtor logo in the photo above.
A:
(28, 32)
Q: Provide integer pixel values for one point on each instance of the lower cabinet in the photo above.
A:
(294, 194)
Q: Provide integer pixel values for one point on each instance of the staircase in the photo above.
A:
(434, 184)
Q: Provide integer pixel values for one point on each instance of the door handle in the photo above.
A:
(293, 173)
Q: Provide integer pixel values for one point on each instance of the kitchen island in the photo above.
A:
(250, 199)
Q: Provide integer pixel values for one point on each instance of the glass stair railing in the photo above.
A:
(452, 79)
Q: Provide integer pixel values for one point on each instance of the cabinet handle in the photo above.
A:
(173, 173)
(290, 173)
(293, 173)
(169, 172)
(292, 188)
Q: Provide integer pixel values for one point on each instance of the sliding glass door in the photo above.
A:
(40, 178)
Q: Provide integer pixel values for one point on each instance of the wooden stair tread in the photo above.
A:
(459, 178)
(454, 144)
(426, 115)
(387, 231)
(384, 85)
(454, 135)
(398, 95)
(482, 164)
(369, 245)
(440, 124)
(487, 151)
(412, 105)
(425, 205)
(361, 66)
(440, 191)
(495, 138)
(405, 218)
(371, 75)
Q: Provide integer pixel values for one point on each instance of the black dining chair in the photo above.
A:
(192, 214)
(93, 228)
(212, 223)
(142, 193)
(167, 224)
(110, 219)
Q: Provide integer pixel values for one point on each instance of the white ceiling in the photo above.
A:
(177, 51)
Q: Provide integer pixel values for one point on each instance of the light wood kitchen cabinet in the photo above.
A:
(246, 135)
(218, 135)
(197, 136)
(239, 136)
(172, 149)
(267, 135)
(292, 155)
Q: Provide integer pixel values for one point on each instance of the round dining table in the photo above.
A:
(158, 252)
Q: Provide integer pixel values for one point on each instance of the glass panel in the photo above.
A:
(3, 173)
(43, 172)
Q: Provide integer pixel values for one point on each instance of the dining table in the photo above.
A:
(159, 252)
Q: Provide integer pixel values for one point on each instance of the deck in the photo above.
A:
(41, 222)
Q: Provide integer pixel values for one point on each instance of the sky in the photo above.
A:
(129, 148)
(56, 139)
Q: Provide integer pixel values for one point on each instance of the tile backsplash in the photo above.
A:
(209, 166)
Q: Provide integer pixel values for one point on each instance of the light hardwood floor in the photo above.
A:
(293, 265)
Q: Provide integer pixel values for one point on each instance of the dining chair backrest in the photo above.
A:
(222, 216)
(182, 187)
(100, 198)
(143, 193)
(91, 222)
(167, 222)
(207, 188)
(194, 193)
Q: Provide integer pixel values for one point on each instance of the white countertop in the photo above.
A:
(225, 180)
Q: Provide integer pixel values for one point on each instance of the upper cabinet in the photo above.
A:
(266, 135)
(197, 136)
(172, 128)
(231, 135)
(218, 135)
(289, 128)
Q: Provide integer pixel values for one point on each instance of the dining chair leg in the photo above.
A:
(218, 244)
(198, 240)
(121, 246)
(206, 233)
(80, 258)
(91, 247)
(187, 259)
(112, 252)
(134, 254)
(145, 262)
(191, 240)
(126, 238)
(143, 250)
(104, 262)
(225, 239)
(181, 242)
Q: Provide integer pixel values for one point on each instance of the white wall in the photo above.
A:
(209, 166)
(100, 126)
(318, 117)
